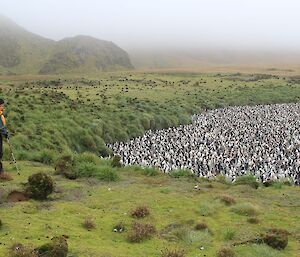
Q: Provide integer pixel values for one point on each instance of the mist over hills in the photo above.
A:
(24, 52)
(212, 57)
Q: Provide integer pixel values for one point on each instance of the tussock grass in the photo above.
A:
(245, 209)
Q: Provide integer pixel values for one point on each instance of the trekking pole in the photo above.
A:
(13, 156)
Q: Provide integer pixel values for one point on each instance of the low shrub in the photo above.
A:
(223, 180)
(85, 165)
(116, 161)
(107, 174)
(182, 233)
(65, 166)
(88, 223)
(58, 247)
(87, 157)
(276, 238)
(246, 209)
(208, 209)
(1, 224)
(253, 220)
(151, 172)
(39, 186)
(278, 183)
(45, 156)
(172, 253)
(172, 232)
(201, 226)
(249, 180)
(140, 232)
(228, 200)
(229, 234)
(19, 250)
(140, 212)
(286, 182)
(225, 252)
(182, 173)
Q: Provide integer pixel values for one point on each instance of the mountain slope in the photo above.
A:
(20, 50)
(86, 54)
(23, 52)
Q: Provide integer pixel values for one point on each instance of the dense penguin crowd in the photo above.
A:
(263, 140)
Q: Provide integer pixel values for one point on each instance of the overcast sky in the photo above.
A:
(267, 24)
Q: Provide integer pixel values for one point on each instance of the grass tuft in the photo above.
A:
(245, 209)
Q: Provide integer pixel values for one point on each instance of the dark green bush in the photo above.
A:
(85, 165)
(249, 180)
(276, 238)
(107, 174)
(46, 156)
(58, 247)
(39, 186)
(87, 157)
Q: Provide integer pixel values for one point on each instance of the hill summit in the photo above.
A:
(24, 52)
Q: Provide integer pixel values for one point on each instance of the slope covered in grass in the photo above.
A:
(58, 114)
(23, 52)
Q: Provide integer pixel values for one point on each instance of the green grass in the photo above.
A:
(110, 203)
(82, 114)
(50, 116)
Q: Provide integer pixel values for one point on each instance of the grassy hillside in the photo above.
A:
(85, 54)
(53, 116)
(175, 207)
(62, 114)
(22, 52)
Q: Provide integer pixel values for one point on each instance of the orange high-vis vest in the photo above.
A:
(3, 119)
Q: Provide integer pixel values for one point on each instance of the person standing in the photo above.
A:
(3, 132)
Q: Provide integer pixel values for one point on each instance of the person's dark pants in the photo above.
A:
(1, 153)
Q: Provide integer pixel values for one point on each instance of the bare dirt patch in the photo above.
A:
(16, 196)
